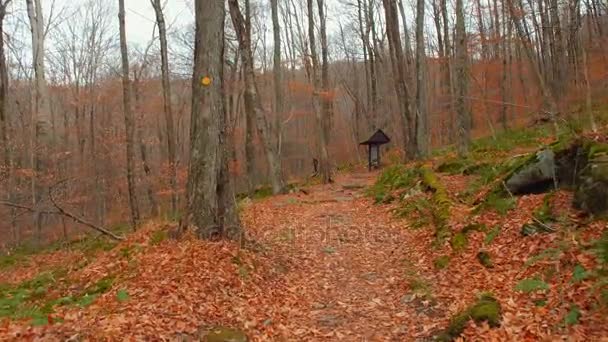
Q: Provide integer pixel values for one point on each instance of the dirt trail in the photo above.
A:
(347, 264)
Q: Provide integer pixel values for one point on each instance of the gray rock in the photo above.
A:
(534, 177)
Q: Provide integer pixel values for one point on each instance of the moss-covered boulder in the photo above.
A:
(223, 334)
(579, 164)
(486, 309)
(536, 176)
(591, 194)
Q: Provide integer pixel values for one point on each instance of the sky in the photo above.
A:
(140, 16)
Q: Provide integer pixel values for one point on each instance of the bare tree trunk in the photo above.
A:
(129, 120)
(171, 154)
(462, 111)
(400, 82)
(42, 110)
(279, 103)
(422, 134)
(324, 166)
(588, 107)
(210, 196)
(549, 100)
(327, 97)
(253, 103)
(143, 148)
(5, 137)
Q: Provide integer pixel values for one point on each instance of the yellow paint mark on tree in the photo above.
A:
(206, 81)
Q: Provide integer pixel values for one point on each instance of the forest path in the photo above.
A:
(346, 263)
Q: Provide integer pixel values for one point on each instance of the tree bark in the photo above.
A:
(6, 171)
(279, 103)
(210, 196)
(42, 111)
(129, 119)
(253, 103)
(400, 81)
(462, 111)
(422, 137)
(324, 166)
(548, 98)
(166, 81)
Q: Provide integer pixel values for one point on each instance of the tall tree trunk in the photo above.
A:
(327, 97)
(42, 111)
(277, 64)
(323, 154)
(129, 120)
(462, 111)
(166, 81)
(422, 134)
(549, 101)
(6, 171)
(253, 103)
(210, 195)
(143, 148)
(400, 80)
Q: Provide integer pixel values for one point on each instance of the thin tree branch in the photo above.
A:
(78, 219)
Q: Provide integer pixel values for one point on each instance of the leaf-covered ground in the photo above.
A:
(326, 265)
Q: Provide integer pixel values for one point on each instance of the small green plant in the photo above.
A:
(122, 295)
(501, 204)
(579, 273)
(486, 309)
(329, 250)
(530, 285)
(442, 262)
(158, 237)
(392, 178)
(573, 316)
(459, 242)
(491, 235)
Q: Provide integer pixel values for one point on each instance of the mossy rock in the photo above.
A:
(485, 259)
(486, 309)
(459, 242)
(441, 203)
(591, 194)
(223, 334)
(534, 228)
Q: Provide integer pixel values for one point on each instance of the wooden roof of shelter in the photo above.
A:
(378, 138)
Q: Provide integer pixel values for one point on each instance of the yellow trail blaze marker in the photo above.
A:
(206, 80)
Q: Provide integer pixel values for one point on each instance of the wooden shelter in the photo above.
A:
(377, 139)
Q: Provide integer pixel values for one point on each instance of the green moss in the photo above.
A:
(442, 262)
(101, 286)
(453, 166)
(27, 300)
(485, 259)
(474, 227)
(441, 204)
(459, 242)
(531, 285)
(501, 204)
(158, 237)
(486, 309)
(491, 235)
(392, 178)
